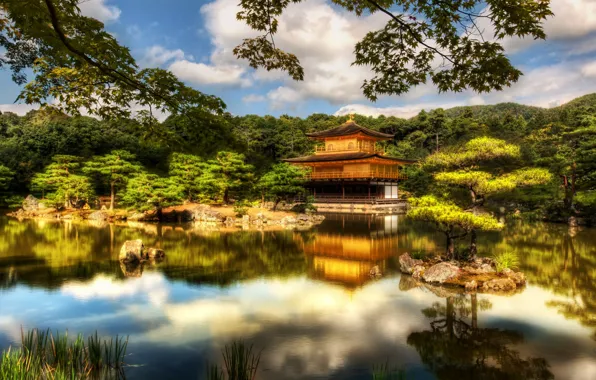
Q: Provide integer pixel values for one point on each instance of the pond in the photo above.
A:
(305, 299)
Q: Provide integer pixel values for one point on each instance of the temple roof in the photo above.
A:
(344, 157)
(349, 128)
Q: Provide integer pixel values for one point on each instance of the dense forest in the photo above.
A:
(226, 157)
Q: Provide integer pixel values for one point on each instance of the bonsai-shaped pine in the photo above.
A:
(450, 219)
(114, 168)
(283, 180)
(184, 170)
(491, 154)
(61, 177)
(150, 192)
(225, 173)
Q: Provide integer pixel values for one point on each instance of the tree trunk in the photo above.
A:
(277, 200)
(159, 214)
(450, 245)
(450, 317)
(112, 196)
(226, 198)
(262, 199)
(473, 248)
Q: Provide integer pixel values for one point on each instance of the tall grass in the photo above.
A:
(44, 355)
(240, 363)
(384, 372)
(506, 260)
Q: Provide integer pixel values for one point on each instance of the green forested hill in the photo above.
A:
(554, 138)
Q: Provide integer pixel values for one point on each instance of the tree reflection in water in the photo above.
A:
(456, 348)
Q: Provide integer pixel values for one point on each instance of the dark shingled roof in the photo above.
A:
(344, 157)
(349, 128)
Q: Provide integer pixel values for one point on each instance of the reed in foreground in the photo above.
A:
(240, 363)
(44, 355)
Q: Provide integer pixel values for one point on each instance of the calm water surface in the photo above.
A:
(305, 298)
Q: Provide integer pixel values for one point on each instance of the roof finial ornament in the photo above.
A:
(351, 117)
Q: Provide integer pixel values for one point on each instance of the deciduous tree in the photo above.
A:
(440, 41)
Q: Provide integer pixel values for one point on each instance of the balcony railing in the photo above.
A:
(338, 198)
(322, 149)
(356, 174)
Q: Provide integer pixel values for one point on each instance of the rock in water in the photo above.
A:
(499, 284)
(407, 263)
(132, 251)
(130, 269)
(30, 203)
(156, 253)
(440, 273)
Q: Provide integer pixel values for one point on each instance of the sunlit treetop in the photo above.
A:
(77, 64)
(443, 41)
(446, 215)
(475, 151)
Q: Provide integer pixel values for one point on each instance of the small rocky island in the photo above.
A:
(476, 275)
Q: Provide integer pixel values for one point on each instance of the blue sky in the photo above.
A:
(194, 39)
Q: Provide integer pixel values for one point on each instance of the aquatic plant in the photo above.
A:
(240, 363)
(384, 372)
(44, 355)
(418, 255)
(506, 260)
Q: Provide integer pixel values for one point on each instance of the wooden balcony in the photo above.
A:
(354, 199)
(323, 149)
(369, 174)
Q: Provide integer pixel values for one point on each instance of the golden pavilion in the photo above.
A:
(348, 166)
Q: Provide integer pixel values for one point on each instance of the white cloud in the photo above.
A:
(201, 73)
(253, 98)
(157, 55)
(405, 112)
(545, 86)
(19, 109)
(589, 70)
(322, 37)
(100, 10)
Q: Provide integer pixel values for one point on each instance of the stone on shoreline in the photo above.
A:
(471, 285)
(441, 272)
(30, 203)
(517, 277)
(407, 263)
(98, 215)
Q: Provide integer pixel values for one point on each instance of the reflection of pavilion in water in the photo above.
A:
(346, 247)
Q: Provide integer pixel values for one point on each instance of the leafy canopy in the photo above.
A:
(79, 64)
(440, 41)
(61, 177)
(226, 172)
(447, 216)
(5, 177)
(474, 152)
(283, 180)
(485, 183)
(150, 192)
(185, 170)
(115, 167)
